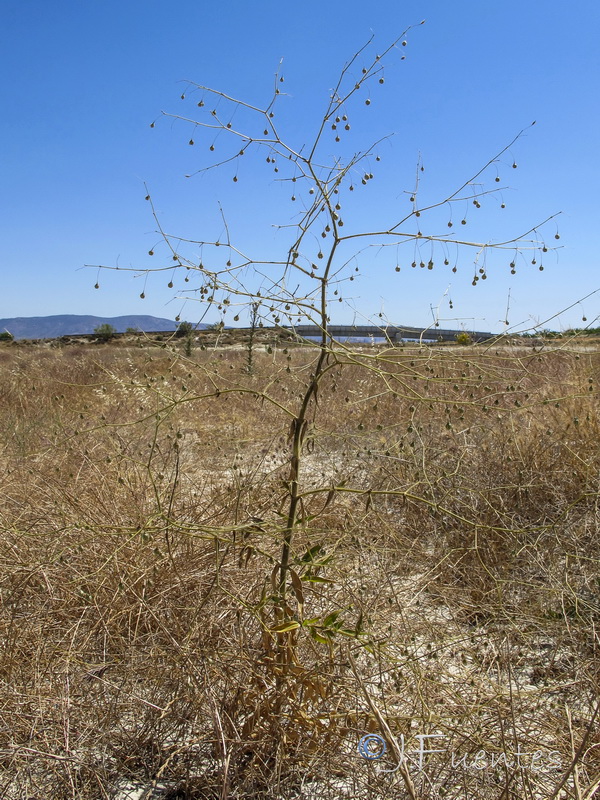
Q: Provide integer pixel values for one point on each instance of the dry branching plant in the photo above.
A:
(223, 568)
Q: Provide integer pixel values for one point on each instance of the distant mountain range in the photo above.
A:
(73, 324)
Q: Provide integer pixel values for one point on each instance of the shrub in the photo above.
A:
(105, 332)
(463, 338)
(184, 329)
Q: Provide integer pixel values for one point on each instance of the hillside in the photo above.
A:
(72, 324)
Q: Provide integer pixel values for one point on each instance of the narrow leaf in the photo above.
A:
(290, 625)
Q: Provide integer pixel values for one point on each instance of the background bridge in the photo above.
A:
(396, 333)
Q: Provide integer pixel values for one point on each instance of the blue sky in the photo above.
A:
(83, 81)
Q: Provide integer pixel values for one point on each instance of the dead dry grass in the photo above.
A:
(449, 516)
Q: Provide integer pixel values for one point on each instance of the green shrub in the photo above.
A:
(105, 332)
(184, 329)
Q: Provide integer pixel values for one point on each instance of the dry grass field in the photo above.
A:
(446, 576)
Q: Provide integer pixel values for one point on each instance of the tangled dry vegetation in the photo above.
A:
(445, 574)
